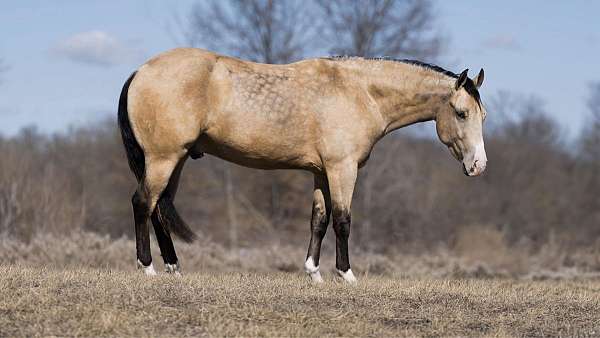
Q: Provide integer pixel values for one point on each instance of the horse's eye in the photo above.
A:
(461, 113)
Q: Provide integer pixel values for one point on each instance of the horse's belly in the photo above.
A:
(259, 153)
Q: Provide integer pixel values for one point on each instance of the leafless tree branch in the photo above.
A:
(590, 136)
(269, 31)
(398, 28)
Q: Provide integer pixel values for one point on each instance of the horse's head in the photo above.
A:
(460, 124)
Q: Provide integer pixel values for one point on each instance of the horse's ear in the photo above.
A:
(478, 79)
(462, 78)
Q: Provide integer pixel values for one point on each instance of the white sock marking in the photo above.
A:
(173, 268)
(148, 270)
(348, 276)
(312, 270)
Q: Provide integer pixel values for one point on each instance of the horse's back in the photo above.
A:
(257, 115)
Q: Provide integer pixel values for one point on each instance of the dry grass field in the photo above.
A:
(88, 302)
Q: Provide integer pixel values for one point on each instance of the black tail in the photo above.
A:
(167, 216)
(135, 154)
(165, 210)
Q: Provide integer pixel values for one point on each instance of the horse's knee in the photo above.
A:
(341, 223)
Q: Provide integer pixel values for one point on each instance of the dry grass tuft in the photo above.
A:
(477, 254)
(49, 302)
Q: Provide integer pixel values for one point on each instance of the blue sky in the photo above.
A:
(67, 60)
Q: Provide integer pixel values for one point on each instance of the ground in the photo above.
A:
(88, 302)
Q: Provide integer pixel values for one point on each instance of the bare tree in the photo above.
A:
(594, 100)
(589, 146)
(590, 138)
(268, 31)
(399, 28)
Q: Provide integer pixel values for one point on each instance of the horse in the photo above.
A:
(322, 115)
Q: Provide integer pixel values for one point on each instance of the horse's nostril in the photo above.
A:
(474, 166)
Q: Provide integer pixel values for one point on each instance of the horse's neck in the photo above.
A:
(407, 94)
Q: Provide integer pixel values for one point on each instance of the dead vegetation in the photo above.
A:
(515, 252)
(83, 302)
(477, 254)
(411, 197)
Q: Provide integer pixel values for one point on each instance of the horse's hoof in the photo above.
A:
(316, 277)
(173, 269)
(148, 270)
(348, 276)
(313, 271)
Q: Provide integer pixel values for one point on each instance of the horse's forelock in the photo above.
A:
(472, 90)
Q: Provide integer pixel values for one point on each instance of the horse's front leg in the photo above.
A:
(342, 178)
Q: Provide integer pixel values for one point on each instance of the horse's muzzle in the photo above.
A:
(476, 169)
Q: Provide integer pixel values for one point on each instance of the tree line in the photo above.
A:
(411, 195)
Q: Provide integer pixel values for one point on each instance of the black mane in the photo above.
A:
(469, 84)
(407, 61)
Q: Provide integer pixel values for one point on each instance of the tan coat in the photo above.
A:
(322, 115)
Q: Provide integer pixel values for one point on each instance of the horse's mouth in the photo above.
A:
(454, 151)
(475, 170)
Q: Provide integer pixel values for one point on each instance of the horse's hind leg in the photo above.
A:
(163, 236)
(139, 201)
(156, 179)
(321, 209)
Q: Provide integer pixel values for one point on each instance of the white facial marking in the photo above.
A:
(480, 153)
(348, 276)
(173, 269)
(479, 160)
(148, 270)
(312, 270)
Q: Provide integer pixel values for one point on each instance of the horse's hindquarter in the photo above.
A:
(168, 101)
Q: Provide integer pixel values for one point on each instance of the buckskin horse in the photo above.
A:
(323, 115)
